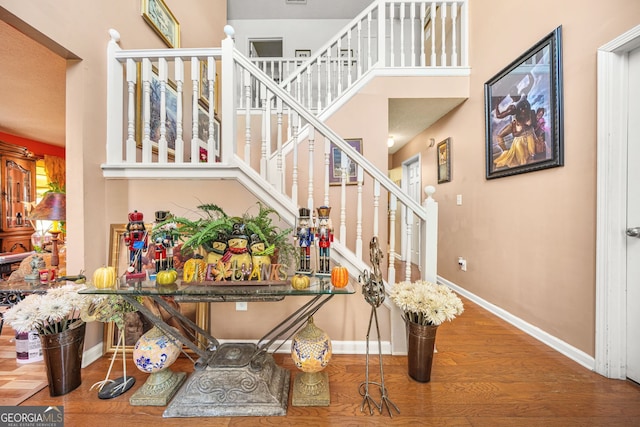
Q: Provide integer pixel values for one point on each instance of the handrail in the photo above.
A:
(358, 158)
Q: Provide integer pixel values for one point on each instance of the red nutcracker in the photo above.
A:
(136, 239)
(324, 237)
(164, 241)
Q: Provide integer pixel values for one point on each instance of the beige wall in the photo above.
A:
(82, 28)
(529, 239)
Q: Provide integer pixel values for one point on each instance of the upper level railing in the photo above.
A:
(388, 34)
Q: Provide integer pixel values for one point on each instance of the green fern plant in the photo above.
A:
(214, 221)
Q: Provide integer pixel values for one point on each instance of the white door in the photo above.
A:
(633, 220)
(413, 188)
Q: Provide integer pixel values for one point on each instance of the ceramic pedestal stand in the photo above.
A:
(159, 388)
(154, 353)
(311, 352)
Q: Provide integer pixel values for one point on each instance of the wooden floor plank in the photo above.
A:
(486, 373)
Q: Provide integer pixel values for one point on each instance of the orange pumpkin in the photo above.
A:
(339, 276)
(300, 281)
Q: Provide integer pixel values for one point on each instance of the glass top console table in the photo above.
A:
(230, 379)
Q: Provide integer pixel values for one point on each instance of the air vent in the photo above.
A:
(296, 1)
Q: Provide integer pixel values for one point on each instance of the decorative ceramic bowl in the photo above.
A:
(311, 348)
(154, 351)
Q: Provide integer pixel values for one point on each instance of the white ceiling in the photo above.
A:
(32, 83)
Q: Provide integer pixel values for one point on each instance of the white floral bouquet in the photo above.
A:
(48, 313)
(426, 303)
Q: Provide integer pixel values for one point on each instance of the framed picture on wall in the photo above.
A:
(171, 106)
(444, 161)
(159, 17)
(203, 88)
(524, 112)
(335, 163)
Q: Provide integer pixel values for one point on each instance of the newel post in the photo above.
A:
(430, 237)
(229, 122)
(115, 102)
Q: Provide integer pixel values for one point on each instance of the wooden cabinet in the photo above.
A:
(18, 192)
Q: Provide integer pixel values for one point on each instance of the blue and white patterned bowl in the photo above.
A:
(155, 351)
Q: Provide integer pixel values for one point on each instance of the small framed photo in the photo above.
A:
(523, 112)
(346, 53)
(160, 18)
(303, 53)
(444, 161)
(335, 163)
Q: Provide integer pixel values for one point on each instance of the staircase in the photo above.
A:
(267, 129)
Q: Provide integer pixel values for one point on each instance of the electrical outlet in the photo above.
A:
(462, 263)
(241, 306)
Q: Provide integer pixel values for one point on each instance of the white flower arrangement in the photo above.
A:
(426, 303)
(49, 313)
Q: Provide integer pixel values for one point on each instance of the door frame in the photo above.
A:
(405, 252)
(611, 263)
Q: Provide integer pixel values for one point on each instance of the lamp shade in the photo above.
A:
(53, 207)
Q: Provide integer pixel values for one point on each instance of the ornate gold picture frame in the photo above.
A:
(159, 17)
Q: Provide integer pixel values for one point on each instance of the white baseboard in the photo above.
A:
(91, 355)
(338, 347)
(560, 346)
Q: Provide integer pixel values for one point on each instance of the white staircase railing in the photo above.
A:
(157, 141)
(388, 34)
(163, 122)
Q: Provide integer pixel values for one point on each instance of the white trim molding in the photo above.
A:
(560, 346)
(610, 351)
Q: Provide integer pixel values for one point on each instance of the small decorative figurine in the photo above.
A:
(136, 239)
(259, 256)
(164, 242)
(304, 236)
(240, 258)
(324, 238)
(37, 263)
(218, 249)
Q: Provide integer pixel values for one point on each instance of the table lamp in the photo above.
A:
(52, 207)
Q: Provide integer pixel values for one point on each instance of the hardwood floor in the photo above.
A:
(486, 373)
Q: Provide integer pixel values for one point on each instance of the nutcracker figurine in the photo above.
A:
(304, 236)
(136, 239)
(164, 242)
(324, 237)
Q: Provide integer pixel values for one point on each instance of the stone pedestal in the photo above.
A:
(233, 386)
(159, 388)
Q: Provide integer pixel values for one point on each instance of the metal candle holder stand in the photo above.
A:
(373, 291)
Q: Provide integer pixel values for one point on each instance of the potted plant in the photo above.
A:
(214, 223)
(425, 306)
(55, 315)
